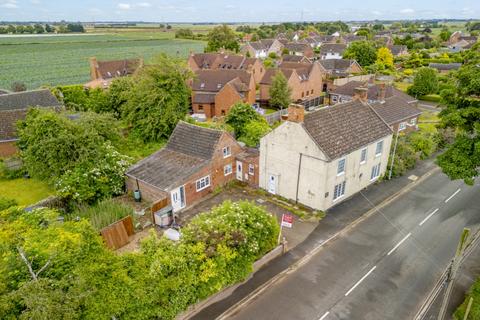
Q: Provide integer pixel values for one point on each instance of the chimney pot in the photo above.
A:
(360, 94)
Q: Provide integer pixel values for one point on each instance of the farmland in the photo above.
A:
(54, 60)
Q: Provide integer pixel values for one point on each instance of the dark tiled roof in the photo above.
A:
(297, 47)
(189, 149)
(200, 97)
(333, 47)
(2, 91)
(25, 99)
(395, 109)
(373, 93)
(270, 73)
(397, 49)
(340, 129)
(118, 68)
(8, 121)
(222, 61)
(352, 38)
(215, 80)
(340, 65)
(294, 58)
(445, 66)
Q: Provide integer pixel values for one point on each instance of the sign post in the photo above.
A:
(287, 221)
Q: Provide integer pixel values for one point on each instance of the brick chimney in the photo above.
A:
(296, 113)
(94, 74)
(360, 94)
(382, 89)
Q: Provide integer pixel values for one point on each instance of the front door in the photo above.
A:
(239, 170)
(272, 184)
(178, 198)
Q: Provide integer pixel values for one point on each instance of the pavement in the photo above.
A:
(468, 272)
(384, 267)
(337, 219)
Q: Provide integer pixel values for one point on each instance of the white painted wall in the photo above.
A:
(280, 155)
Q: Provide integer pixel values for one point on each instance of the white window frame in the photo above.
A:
(227, 169)
(334, 98)
(413, 121)
(375, 173)
(363, 155)
(227, 152)
(402, 126)
(378, 154)
(251, 169)
(202, 183)
(339, 191)
(344, 161)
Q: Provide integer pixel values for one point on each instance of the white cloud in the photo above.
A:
(9, 4)
(124, 6)
(144, 5)
(376, 12)
(407, 11)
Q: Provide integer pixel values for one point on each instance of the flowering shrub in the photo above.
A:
(92, 181)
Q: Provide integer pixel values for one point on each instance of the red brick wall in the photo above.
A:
(148, 192)
(206, 109)
(409, 128)
(7, 148)
(251, 180)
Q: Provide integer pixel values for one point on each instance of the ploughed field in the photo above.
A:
(64, 59)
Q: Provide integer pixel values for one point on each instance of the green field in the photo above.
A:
(54, 60)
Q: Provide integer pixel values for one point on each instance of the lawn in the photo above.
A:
(55, 60)
(25, 191)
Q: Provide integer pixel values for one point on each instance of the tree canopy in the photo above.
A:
(425, 82)
(222, 37)
(362, 51)
(280, 92)
(384, 58)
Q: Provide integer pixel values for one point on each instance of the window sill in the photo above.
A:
(378, 155)
(201, 189)
(227, 174)
(363, 162)
(340, 174)
(340, 197)
(376, 178)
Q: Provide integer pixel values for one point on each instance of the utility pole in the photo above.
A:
(393, 155)
(453, 272)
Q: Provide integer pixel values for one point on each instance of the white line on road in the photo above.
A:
(428, 217)
(399, 244)
(360, 281)
(324, 315)
(453, 195)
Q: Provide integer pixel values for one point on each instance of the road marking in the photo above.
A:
(428, 217)
(360, 281)
(324, 315)
(453, 195)
(399, 244)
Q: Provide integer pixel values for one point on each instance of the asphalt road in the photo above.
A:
(385, 266)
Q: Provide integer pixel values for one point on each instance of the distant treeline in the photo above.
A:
(38, 28)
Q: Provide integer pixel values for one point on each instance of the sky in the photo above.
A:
(234, 11)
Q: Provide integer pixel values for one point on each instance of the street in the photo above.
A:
(385, 266)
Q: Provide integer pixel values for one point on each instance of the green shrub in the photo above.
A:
(405, 158)
(474, 293)
(254, 131)
(9, 174)
(6, 203)
(423, 143)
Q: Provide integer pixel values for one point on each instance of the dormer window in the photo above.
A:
(219, 86)
(202, 85)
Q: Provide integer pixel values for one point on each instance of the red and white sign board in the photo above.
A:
(287, 220)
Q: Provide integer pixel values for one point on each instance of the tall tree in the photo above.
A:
(239, 115)
(222, 37)
(425, 82)
(385, 58)
(362, 51)
(280, 92)
(158, 98)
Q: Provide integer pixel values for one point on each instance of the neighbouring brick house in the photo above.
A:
(398, 50)
(375, 92)
(338, 68)
(194, 162)
(332, 51)
(103, 72)
(458, 36)
(305, 80)
(213, 61)
(299, 49)
(13, 108)
(262, 48)
(400, 115)
(323, 157)
(214, 92)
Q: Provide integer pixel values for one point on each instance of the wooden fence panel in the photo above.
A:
(117, 234)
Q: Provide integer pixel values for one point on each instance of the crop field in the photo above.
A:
(55, 60)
